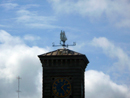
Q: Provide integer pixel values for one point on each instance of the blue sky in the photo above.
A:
(100, 28)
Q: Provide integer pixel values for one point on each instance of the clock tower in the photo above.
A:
(63, 72)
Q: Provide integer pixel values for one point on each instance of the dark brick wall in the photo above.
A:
(68, 67)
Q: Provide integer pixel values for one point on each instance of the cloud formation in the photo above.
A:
(99, 85)
(113, 51)
(29, 18)
(19, 59)
(31, 38)
(115, 11)
(9, 6)
(33, 20)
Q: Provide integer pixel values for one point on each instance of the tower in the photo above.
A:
(63, 73)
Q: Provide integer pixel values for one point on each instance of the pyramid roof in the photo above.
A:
(60, 52)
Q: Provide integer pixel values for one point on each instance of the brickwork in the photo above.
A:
(71, 67)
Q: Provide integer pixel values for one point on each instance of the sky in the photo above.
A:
(100, 28)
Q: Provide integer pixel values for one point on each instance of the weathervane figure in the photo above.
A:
(63, 39)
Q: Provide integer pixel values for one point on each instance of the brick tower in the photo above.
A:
(63, 74)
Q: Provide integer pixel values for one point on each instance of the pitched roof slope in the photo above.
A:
(60, 52)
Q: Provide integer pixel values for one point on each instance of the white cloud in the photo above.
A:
(113, 51)
(99, 85)
(123, 23)
(116, 11)
(19, 59)
(31, 38)
(83, 7)
(7, 39)
(9, 6)
(29, 18)
(29, 6)
(42, 26)
(32, 19)
(3, 25)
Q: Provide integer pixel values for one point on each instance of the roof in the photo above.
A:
(60, 52)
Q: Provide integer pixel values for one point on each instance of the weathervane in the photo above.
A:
(63, 39)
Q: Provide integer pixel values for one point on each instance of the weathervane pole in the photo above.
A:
(63, 39)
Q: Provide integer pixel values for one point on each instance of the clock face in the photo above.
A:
(61, 87)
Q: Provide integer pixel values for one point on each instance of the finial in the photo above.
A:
(63, 39)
